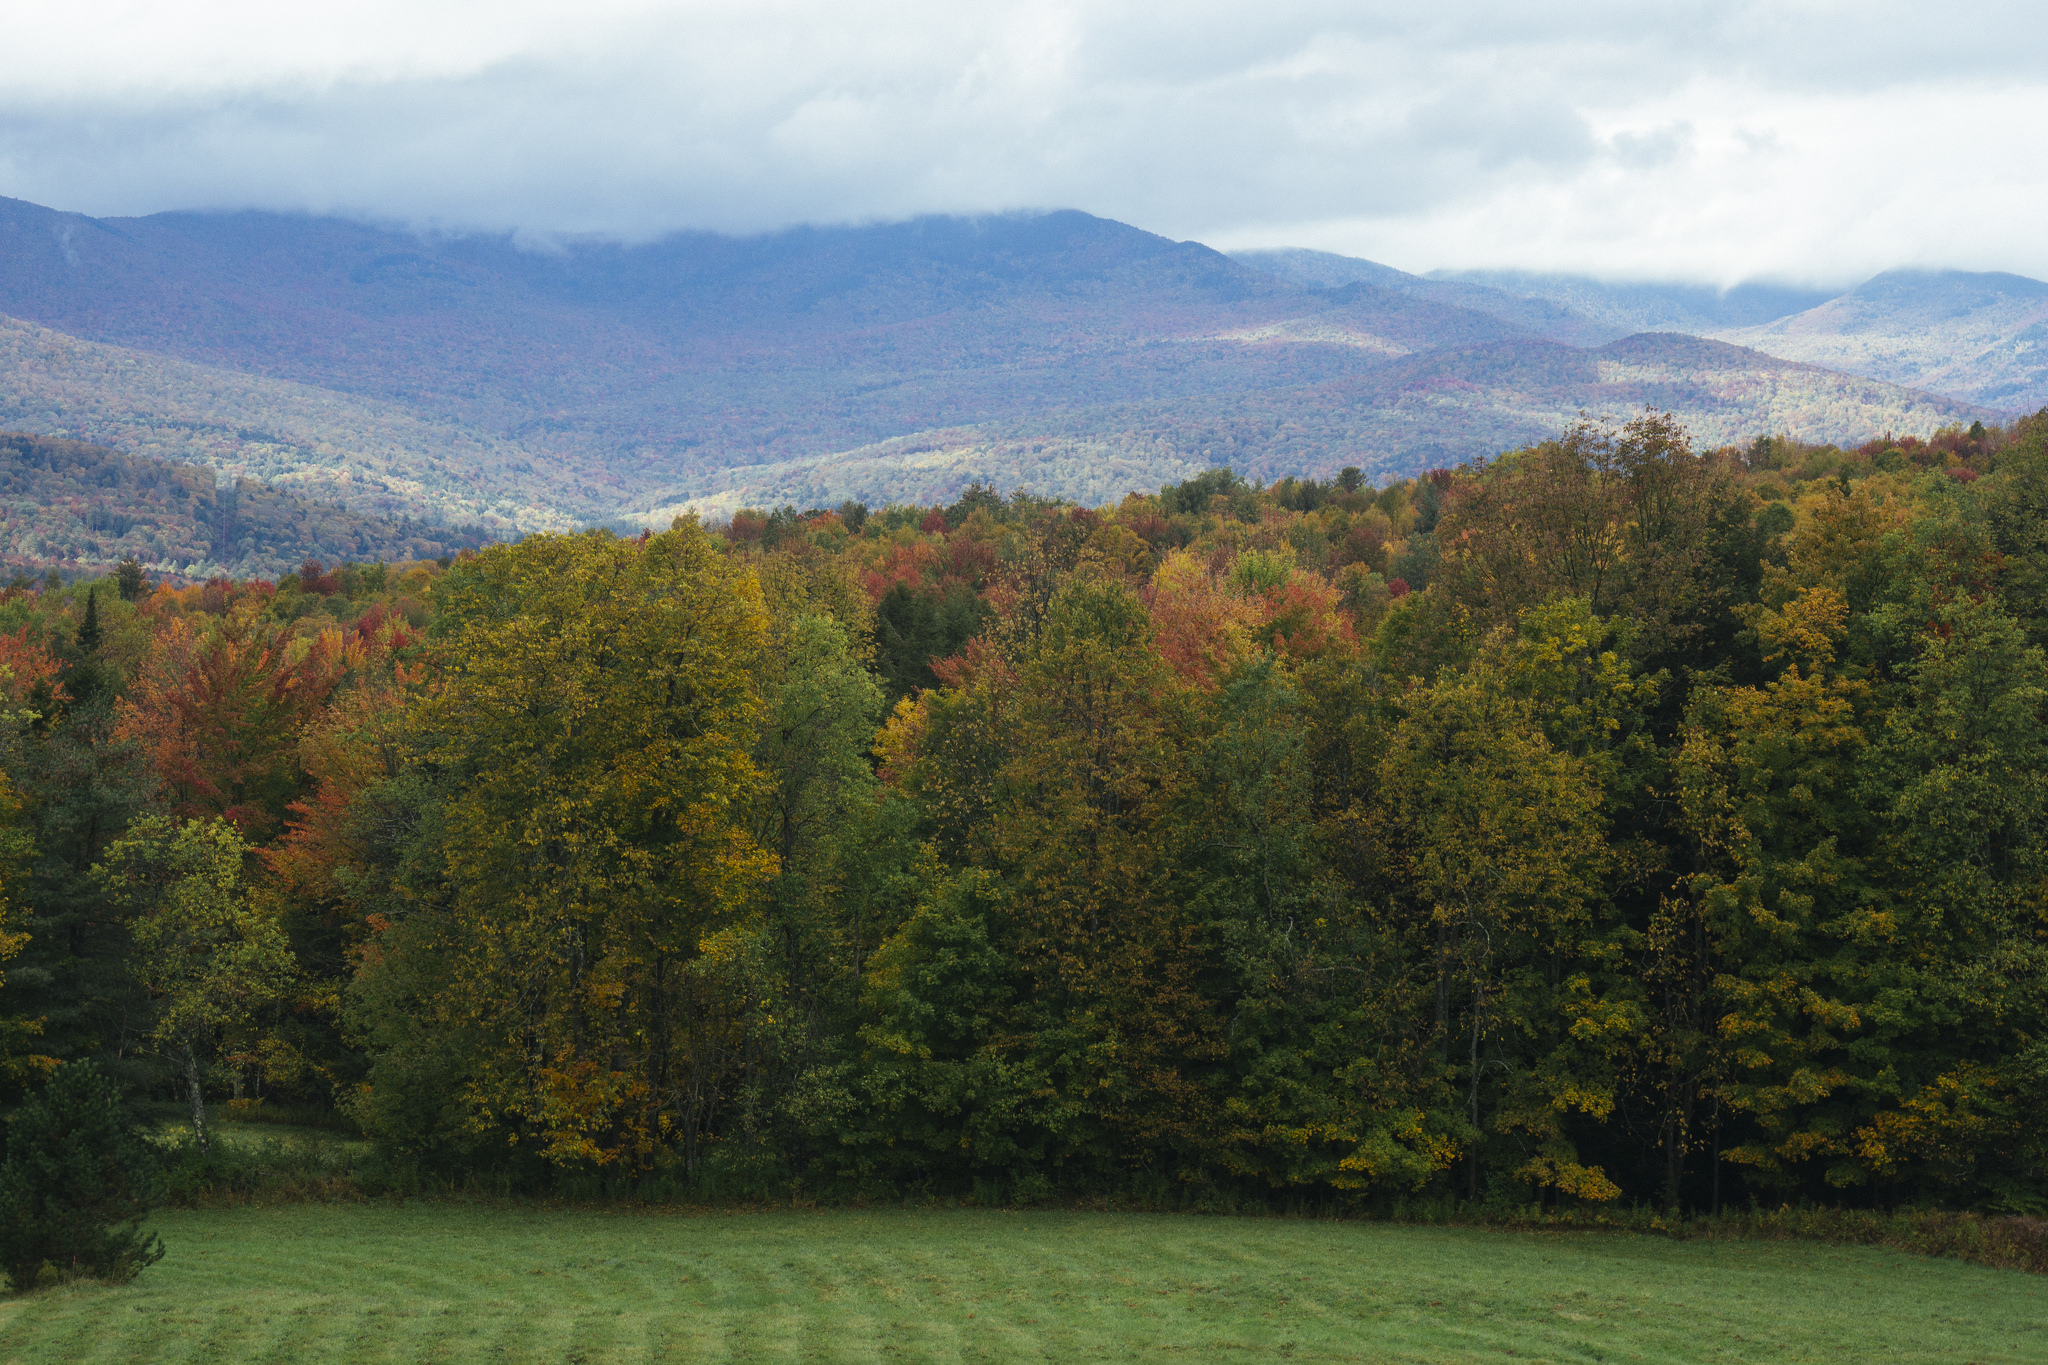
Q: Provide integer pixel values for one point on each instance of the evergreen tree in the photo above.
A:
(129, 579)
(88, 637)
(76, 1184)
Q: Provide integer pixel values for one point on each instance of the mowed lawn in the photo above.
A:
(455, 1282)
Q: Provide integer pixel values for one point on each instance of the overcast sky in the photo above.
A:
(1715, 141)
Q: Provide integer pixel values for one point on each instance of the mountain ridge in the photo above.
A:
(1981, 336)
(600, 381)
(1976, 337)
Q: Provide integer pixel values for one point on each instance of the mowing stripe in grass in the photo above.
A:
(455, 1282)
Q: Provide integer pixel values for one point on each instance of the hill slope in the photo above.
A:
(1543, 316)
(689, 355)
(1979, 337)
(76, 505)
(1649, 306)
(473, 379)
(373, 455)
(1434, 408)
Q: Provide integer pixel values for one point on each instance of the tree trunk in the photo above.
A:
(1717, 1157)
(1478, 999)
(1677, 1136)
(1443, 994)
(199, 1133)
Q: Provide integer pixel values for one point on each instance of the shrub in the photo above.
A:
(75, 1185)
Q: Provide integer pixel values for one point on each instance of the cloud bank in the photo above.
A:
(1717, 141)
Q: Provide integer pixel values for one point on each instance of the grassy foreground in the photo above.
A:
(455, 1282)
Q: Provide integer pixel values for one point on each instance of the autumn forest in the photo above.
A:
(1612, 823)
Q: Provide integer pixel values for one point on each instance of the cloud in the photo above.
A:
(1708, 140)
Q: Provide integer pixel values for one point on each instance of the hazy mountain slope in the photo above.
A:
(1324, 269)
(696, 353)
(1730, 393)
(1436, 408)
(375, 457)
(1978, 337)
(1098, 463)
(593, 381)
(1650, 307)
(1542, 316)
(1451, 405)
(478, 321)
(76, 505)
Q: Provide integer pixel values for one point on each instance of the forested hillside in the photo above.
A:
(472, 378)
(1432, 408)
(80, 508)
(375, 457)
(1976, 336)
(1611, 822)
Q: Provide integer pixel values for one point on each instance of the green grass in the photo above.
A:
(276, 1162)
(448, 1282)
(240, 1136)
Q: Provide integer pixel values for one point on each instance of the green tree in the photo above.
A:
(78, 787)
(2015, 508)
(815, 742)
(1768, 778)
(952, 1085)
(817, 816)
(1501, 837)
(210, 961)
(1959, 950)
(1622, 518)
(130, 580)
(16, 847)
(1321, 1088)
(1081, 834)
(915, 626)
(76, 1183)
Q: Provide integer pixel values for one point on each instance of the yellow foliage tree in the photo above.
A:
(591, 707)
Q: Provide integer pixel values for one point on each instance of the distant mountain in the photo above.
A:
(697, 349)
(1433, 408)
(471, 378)
(1650, 307)
(64, 503)
(1979, 337)
(1541, 316)
(635, 369)
(1576, 309)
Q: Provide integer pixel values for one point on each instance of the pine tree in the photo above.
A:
(76, 1184)
(88, 638)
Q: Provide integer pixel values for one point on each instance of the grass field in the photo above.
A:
(456, 1282)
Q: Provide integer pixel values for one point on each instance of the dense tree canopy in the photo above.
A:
(1608, 821)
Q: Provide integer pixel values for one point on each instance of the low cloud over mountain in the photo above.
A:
(1715, 141)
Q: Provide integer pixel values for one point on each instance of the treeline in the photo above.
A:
(1609, 822)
